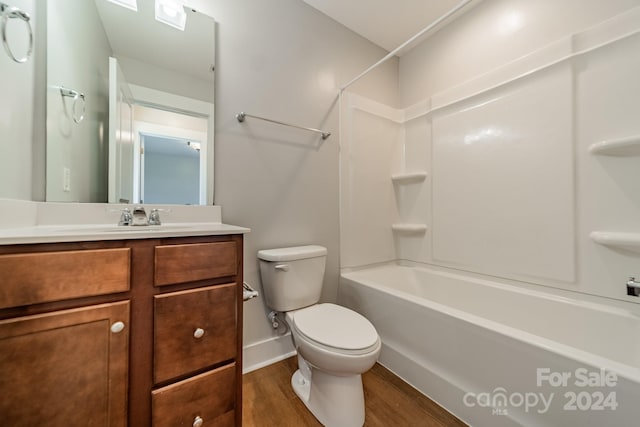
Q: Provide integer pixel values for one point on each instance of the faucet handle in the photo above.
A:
(154, 217)
(125, 217)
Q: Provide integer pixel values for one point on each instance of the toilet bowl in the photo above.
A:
(334, 339)
(335, 345)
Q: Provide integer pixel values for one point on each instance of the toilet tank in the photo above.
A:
(292, 277)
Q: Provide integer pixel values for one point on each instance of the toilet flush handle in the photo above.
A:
(283, 267)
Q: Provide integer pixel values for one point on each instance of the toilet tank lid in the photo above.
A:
(292, 254)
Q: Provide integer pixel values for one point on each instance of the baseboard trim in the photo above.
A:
(267, 352)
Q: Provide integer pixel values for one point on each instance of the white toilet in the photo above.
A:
(335, 345)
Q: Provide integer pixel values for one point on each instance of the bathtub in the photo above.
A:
(496, 354)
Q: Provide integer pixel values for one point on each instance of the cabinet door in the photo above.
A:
(76, 363)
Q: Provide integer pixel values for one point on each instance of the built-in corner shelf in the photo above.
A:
(409, 228)
(617, 239)
(629, 146)
(408, 177)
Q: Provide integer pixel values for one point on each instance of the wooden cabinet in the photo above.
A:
(208, 398)
(187, 263)
(122, 333)
(49, 360)
(193, 330)
(58, 275)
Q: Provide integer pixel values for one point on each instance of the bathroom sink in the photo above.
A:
(118, 229)
(123, 229)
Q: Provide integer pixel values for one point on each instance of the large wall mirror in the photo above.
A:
(129, 101)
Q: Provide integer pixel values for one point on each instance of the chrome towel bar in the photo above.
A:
(241, 116)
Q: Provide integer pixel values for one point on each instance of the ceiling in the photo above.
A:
(386, 23)
(138, 35)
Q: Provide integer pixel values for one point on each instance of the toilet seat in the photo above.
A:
(336, 329)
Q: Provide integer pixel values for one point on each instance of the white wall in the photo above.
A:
(169, 118)
(490, 35)
(77, 58)
(155, 77)
(22, 109)
(512, 190)
(283, 60)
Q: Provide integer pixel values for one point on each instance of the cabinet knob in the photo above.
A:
(198, 421)
(198, 333)
(117, 327)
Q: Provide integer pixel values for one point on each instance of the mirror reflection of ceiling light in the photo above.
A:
(129, 4)
(510, 23)
(171, 12)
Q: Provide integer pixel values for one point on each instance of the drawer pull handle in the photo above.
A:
(117, 327)
(198, 333)
(198, 421)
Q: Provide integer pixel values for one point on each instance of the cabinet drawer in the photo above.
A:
(200, 261)
(194, 329)
(52, 276)
(210, 396)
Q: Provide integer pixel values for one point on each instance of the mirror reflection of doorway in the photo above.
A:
(136, 112)
(170, 165)
(169, 170)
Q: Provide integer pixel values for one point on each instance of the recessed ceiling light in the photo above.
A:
(171, 12)
(129, 4)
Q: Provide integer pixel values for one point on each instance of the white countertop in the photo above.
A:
(94, 232)
(23, 222)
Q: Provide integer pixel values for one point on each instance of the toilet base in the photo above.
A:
(334, 401)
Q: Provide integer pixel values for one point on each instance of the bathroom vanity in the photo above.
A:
(136, 328)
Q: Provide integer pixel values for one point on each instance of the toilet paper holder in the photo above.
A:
(248, 292)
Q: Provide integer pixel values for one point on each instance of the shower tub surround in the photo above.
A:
(488, 231)
(500, 355)
(507, 174)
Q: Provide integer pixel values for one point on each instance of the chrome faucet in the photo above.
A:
(139, 216)
(154, 217)
(125, 217)
(633, 287)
